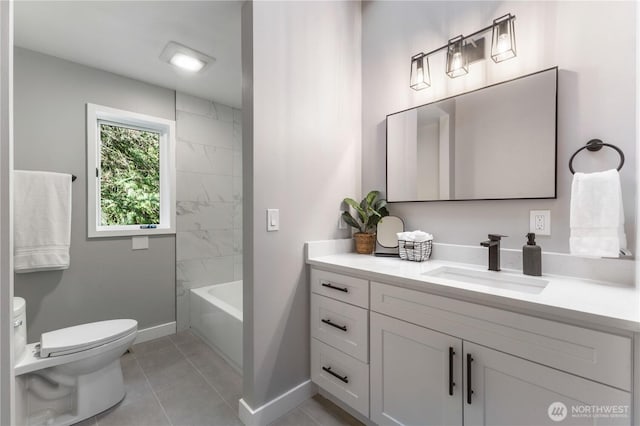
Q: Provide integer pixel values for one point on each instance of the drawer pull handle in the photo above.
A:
(17, 323)
(469, 390)
(328, 322)
(345, 379)
(451, 382)
(328, 285)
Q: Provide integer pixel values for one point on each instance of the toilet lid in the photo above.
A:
(85, 336)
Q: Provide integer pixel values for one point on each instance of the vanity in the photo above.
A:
(443, 343)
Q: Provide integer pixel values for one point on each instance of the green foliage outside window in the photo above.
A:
(130, 176)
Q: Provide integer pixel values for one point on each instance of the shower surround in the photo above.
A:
(209, 197)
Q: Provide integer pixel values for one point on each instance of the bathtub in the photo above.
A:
(216, 316)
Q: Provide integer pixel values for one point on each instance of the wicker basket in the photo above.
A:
(365, 242)
(415, 251)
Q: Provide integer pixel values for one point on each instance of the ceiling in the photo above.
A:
(127, 37)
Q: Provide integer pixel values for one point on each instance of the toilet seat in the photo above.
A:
(84, 337)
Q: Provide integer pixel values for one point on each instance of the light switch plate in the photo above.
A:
(540, 222)
(273, 220)
(139, 243)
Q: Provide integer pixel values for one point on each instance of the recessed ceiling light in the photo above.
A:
(185, 58)
(186, 62)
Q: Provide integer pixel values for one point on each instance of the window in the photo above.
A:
(131, 173)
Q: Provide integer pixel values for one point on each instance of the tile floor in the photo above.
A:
(180, 381)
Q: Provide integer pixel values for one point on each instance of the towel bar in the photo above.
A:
(596, 145)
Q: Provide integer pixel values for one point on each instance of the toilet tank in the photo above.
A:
(19, 328)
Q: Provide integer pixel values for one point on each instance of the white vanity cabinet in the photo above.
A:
(435, 360)
(416, 374)
(417, 379)
(340, 337)
(507, 390)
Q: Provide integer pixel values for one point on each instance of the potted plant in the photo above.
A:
(368, 213)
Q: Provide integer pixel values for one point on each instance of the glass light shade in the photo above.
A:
(503, 39)
(420, 75)
(457, 60)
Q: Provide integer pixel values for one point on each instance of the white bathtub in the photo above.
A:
(216, 316)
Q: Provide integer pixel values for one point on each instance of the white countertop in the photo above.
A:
(578, 301)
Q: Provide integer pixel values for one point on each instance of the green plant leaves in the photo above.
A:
(371, 196)
(349, 220)
(357, 207)
(130, 176)
(370, 210)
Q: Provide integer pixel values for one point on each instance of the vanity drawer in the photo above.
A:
(344, 377)
(343, 326)
(340, 287)
(595, 355)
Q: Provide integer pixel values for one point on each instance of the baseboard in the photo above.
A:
(155, 332)
(277, 407)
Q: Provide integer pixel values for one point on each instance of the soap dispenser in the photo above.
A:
(531, 257)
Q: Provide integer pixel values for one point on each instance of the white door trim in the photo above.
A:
(7, 391)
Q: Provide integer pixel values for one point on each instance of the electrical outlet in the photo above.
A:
(540, 222)
(341, 223)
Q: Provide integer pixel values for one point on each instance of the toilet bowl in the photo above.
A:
(73, 373)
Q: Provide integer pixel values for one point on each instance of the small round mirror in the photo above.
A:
(388, 227)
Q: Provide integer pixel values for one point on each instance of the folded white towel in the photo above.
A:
(417, 236)
(597, 215)
(42, 221)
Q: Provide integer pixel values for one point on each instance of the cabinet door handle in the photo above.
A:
(17, 323)
(451, 382)
(328, 322)
(345, 379)
(469, 390)
(328, 285)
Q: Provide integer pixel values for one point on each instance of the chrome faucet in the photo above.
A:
(493, 243)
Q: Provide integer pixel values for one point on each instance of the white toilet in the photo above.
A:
(73, 373)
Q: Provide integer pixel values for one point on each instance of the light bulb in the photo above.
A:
(456, 62)
(503, 43)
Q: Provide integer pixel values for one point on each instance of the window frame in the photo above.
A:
(97, 114)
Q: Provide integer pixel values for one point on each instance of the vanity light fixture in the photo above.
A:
(420, 74)
(185, 58)
(457, 60)
(463, 50)
(503, 39)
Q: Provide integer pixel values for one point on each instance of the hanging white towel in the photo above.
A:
(42, 221)
(597, 215)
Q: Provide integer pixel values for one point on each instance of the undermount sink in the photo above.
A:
(490, 279)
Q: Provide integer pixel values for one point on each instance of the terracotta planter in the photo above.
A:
(365, 242)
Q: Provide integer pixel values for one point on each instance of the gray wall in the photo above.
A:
(596, 99)
(209, 197)
(106, 278)
(301, 154)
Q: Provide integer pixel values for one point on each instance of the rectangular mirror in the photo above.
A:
(494, 143)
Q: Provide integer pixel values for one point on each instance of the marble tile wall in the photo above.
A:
(209, 197)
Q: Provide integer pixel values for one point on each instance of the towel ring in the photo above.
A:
(596, 145)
